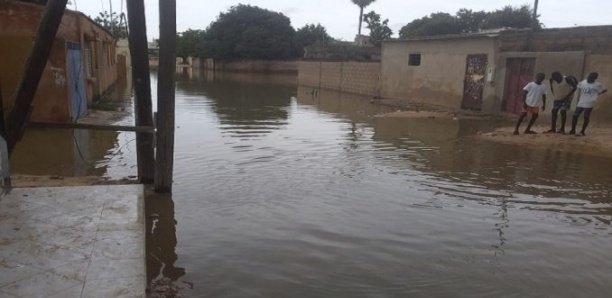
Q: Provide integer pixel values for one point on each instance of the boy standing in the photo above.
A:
(534, 94)
(588, 92)
(562, 89)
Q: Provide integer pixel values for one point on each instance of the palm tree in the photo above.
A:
(362, 4)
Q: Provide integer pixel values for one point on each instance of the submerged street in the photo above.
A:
(285, 192)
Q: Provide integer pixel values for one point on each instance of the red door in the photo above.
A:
(520, 72)
(475, 72)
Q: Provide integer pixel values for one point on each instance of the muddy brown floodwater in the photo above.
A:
(280, 193)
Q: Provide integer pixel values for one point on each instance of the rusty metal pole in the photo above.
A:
(166, 97)
(141, 77)
(34, 68)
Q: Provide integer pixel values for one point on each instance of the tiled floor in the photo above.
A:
(73, 242)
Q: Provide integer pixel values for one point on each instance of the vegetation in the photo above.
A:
(249, 32)
(308, 35)
(467, 21)
(187, 43)
(379, 31)
(113, 23)
(362, 4)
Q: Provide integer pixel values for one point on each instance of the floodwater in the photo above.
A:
(285, 192)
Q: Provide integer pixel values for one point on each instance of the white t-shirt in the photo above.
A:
(534, 94)
(588, 93)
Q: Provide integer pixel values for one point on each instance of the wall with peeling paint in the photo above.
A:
(18, 26)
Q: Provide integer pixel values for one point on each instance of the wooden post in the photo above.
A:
(2, 122)
(141, 77)
(166, 96)
(34, 67)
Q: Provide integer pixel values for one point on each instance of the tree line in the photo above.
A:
(469, 21)
(250, 32)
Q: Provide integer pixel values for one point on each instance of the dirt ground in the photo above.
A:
(424, 114)
(416, 110)
(598, 140)
(23, 181)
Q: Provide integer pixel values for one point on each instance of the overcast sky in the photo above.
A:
(340, 17)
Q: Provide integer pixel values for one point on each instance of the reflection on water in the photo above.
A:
(161, 238)
(285, 192)
(76, 153)
(233, 99)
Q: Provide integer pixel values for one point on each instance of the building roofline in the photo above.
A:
(74, 12)
(491, 34)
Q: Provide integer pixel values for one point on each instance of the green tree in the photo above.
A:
(471, 21)
(113, 23)
(434, 24)
(308, 35)
(362, 4)
(187, 43)
(511, 17)
(379, 31)
(249, 32)
(467, 21)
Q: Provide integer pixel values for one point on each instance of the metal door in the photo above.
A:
(475, 73)
(520, 72)
(76, 81)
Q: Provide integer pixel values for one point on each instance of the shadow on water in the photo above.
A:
(161, 240)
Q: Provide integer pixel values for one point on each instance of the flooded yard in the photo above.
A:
(282, 191)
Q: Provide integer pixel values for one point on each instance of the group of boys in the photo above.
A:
(563, 89)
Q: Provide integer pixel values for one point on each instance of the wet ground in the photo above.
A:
(72, 242)
(283, 192)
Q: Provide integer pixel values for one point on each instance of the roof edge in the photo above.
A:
(492, 33)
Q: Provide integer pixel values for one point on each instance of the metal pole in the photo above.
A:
(112, 20)
(166, 97)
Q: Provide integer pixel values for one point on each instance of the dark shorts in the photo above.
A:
(587, 112)
(563, 105)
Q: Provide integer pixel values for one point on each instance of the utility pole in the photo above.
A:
(34, 67)
(141, 77)
(535, 10)
(166, 97)
(112, 19)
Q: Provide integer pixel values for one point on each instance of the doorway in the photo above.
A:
(520, 72)
(76, 81)
(475, 73)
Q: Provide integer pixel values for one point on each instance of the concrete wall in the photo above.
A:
(18, 26)
(351, 77)
(439, 80)
(50, 102)
(123, 49)
(253, 66)
(568, 63)
(593, 39)
(603, 65)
